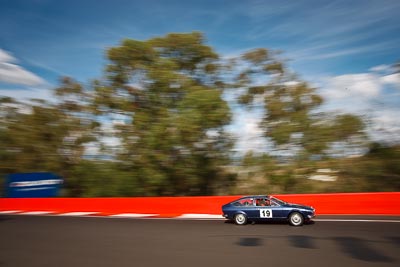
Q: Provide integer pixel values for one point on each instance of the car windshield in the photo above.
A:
(278, 201)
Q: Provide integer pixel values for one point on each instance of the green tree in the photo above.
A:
(169, 135)
(173, 137)
(291, 120)
(378, 170)
(302, 136)
(74, 103)
(32, 137)
(41, 136)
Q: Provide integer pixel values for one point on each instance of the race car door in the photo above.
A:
(267, 210)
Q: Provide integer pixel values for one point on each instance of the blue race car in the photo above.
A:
(266, 208)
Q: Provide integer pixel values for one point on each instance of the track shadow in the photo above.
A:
(302, 241)
(4, 218)
(394, 239)
(249, 242)
(359, 249)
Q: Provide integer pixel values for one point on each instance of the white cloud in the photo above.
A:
(14, 74)
(363, 85)
(28, 93)
(370, 95)
(380, 68)
(246, 128)
(392, 79)
(5, 57)
(386, 125)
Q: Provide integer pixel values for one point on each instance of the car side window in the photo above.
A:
(262, 202)
(244, 202)
(237, 203)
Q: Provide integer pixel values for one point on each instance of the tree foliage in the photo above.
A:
(159, 117)
(174, 140)
(291, 119)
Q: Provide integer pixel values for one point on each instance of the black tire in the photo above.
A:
(296, 219)
(240, 219)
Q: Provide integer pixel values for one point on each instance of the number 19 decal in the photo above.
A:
(265, 213)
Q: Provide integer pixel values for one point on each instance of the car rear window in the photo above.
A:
(243, 202)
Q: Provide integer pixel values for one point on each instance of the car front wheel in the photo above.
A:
(240, 219)
(296, 219)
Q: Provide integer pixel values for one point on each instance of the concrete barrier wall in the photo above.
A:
(333, 204)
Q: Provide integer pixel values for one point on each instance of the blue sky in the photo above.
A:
(345, 48)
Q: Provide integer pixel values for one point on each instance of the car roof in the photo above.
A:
(254, 196)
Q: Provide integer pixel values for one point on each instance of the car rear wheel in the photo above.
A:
(296, 219)
(240, 219)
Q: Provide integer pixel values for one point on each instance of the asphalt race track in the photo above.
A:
(74, 241)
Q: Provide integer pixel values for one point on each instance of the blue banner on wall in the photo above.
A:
(40, 184)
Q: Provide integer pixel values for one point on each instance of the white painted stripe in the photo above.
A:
(199, 216)
(77, 213)
(354, 220)
(132, 215)
(36, 212)
(188, 216)
(9, 211)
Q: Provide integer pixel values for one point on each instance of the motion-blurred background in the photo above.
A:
(134, 98)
